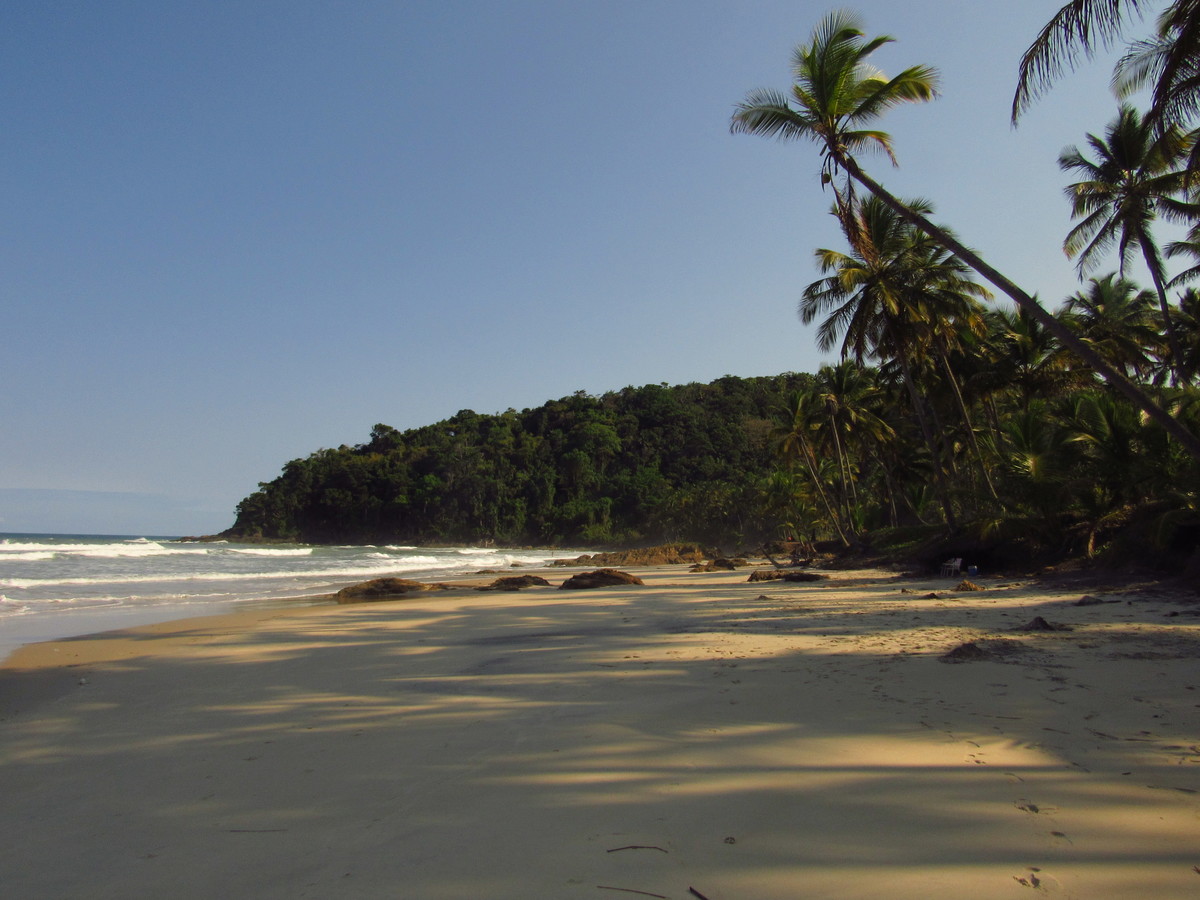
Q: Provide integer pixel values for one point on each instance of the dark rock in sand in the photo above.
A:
(1040, 624)
(784, 575)
(972, 651)
(515, 583)
(804, 576)
(720, 564)
(1089, 600)
(384, 589)
(765, 575)
(600, 578)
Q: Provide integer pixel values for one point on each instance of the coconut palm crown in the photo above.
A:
(1133, 176)
(835, 95)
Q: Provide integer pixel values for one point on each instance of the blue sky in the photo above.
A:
(237, 232)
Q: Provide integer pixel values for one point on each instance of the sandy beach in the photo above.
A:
(696, 737)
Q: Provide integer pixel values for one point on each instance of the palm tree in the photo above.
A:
(836, 93)
(1113, 315)
(1134, 177)
(1026, 357)
(1187, 328)
(791, 438)
(1169, 59)
(871, 299)
(849, 395)
(952, 315)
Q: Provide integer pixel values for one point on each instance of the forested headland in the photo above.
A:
(640, 464)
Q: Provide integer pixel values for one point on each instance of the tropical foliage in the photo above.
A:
(1055, 426)
(646, 463)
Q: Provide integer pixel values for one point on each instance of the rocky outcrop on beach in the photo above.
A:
(514, 583)
(600, 578)
(384, 589)
(983, 650)
(662, 555)
(783, 575)
(720, 564)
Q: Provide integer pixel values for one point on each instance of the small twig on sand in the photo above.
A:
(605, 887)
(696, 893)
(636, 847)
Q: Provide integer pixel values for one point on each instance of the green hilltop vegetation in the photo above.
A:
(951, 424)
(639, 464)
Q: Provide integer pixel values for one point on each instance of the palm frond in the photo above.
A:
(1078, 29)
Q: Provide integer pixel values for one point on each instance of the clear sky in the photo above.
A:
(237, 232)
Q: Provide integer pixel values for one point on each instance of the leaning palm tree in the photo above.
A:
(836, 94)
(1134, 177)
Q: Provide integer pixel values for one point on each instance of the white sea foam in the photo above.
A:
(271, 551)
(58, 576)
(11, 549)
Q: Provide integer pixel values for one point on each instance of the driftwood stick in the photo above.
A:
(696, 893)
(636, 847)
(605, 887)
(254, 830)
(771, 559)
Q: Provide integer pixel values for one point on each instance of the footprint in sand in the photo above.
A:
(1038, 880)
(1030, 807)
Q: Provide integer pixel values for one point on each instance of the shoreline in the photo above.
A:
(59, 586)
(762, 740)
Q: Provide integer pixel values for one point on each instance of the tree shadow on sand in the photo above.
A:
(743, 740)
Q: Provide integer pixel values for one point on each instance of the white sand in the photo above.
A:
(699, 736)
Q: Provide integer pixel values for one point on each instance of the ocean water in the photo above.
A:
(56, 586)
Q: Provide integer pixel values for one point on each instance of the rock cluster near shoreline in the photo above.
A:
(384, 589)
(662, 555)
(600, 578)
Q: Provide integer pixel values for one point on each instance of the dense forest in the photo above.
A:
(646, 463)
(1071, 430)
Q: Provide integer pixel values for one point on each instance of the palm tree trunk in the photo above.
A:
(939, 477)
(944, 438)
(843, 469)
(812, 471)
(890, 487)
(1150, 254)
(1135, 394)
(966, 417)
